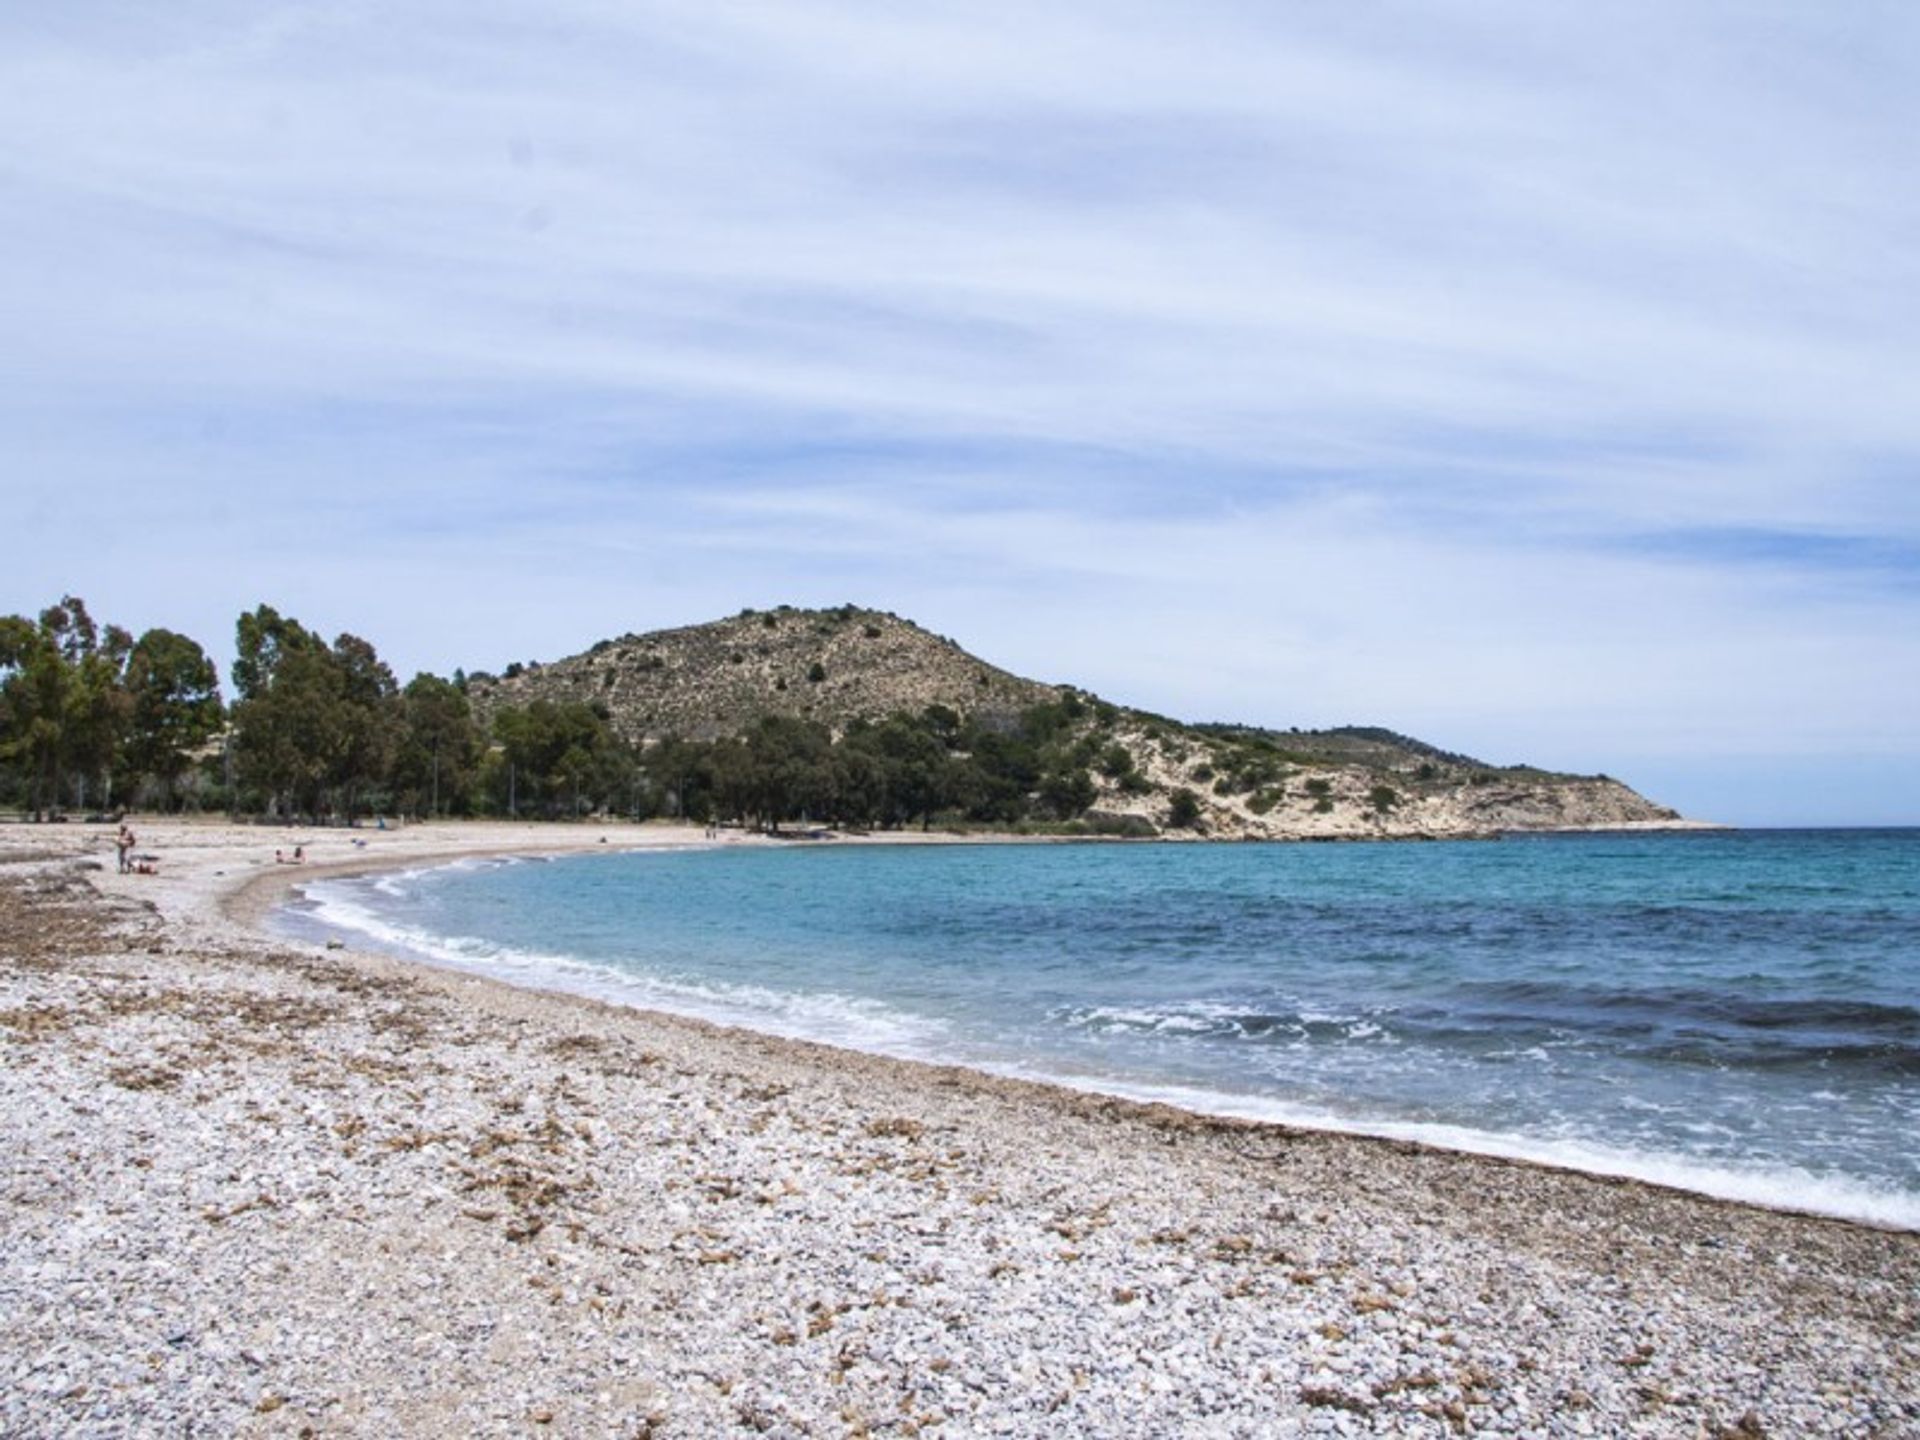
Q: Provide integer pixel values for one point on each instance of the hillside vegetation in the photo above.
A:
(847, 717)
(707, 682)
(857, 717)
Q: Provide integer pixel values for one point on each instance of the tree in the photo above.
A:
(261, 639)
(439, 750)
(316, 725)
(368, 719)
(64, 707)
(914, 765)
(790, 771)
(859, 786)
(1183, 813)
(286, 714)
(1067, 793)
(33, 682)
(560, 758)
(175, 707)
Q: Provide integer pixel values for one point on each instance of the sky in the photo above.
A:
(1537, 380)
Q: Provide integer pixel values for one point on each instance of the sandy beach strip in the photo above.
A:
(253, 1186)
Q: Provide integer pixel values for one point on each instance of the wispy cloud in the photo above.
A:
(1541, 375)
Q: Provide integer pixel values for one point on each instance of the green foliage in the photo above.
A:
(174, 693)
(437, 760)
(64, 706)
(558, 759)
(88, 715)
(1122, 827)
(944, 722)
(906, 776)
(316, 726)
(1066, 793)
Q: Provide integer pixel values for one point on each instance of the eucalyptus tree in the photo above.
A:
(561, 758)
(64, 707)
(439, 749)
(174, 692)
(315, 725)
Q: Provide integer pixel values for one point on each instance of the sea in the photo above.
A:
(1734, 1013)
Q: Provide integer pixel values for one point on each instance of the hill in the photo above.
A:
(704, 682)
(1107, 768)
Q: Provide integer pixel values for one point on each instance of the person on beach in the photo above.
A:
(124, 843)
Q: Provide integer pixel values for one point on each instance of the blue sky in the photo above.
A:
(1538, 380)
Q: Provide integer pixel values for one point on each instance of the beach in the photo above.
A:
(255, 1186)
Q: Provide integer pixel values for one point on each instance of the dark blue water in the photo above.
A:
(1736, 1013)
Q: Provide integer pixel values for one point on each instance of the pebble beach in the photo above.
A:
(257, 1187)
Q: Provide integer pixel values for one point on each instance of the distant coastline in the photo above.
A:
(847, 718)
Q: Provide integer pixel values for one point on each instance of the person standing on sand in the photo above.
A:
(124, 843)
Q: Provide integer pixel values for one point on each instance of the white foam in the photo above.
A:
(848, 1020)
(872, 1026)
(1776, 1187)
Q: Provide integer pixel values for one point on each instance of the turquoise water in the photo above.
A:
(1735, 1013)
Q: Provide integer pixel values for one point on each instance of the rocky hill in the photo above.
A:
(1149, 774)
(703, 682)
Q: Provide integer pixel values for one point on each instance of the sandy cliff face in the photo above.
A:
(1405, 797)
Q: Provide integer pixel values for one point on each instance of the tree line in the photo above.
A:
(93, 719)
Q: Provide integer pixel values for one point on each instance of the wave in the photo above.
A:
(1773, 1186)
(1511, 1020)
(1218, 1021)
(1863, 1040)
(852, 1021)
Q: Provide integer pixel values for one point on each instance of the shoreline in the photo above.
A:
(257, 900)
(1343, 1277)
